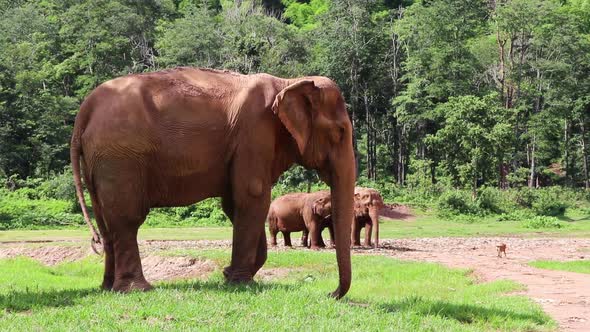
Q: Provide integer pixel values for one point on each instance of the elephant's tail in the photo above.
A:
(75, 153)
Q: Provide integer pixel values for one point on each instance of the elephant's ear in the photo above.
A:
(294, 106)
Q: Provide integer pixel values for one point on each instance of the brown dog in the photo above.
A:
(501, 249)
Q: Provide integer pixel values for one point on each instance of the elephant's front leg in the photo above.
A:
(315, 235)
(251, 199)
(332, 238)
(356, 233)
(368, 232)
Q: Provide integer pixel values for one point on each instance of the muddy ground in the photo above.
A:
(563, 295)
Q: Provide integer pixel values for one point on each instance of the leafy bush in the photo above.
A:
(492, 200)
(205, 213)
(524, 197)
(516, 215)
(61, 186)
(19, 212)
(543, 222)
(549, 202)
(455, 202)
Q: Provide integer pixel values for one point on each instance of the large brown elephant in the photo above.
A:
(367, 203)
(300, 212)
(176, 137)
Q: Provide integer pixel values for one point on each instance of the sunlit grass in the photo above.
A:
(581, 266)
(427, 224)
(387, 294)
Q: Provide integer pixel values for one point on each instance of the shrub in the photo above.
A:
(516, 215)
(455, 202)
(524, 197)
(205, 213)
(549, 203)
(491, 200)
(19, 212)
(543, 222)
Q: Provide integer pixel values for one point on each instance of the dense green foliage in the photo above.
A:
(449, 99)
(387, 295)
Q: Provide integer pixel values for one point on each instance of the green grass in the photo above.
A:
(572, 266)
(386, 295)
(145, 233)
(577, 224)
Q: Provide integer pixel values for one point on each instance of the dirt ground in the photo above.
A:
(563, 295)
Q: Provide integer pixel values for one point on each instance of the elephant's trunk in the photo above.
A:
(342, 180)
(374, 214)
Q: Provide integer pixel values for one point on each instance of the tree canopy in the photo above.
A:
(479, 92)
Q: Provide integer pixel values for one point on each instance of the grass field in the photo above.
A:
(386, 295)
(425, 225)
(572, 266)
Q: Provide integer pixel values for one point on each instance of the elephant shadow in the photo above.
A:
(25, 300)
(463, 313)
(16, 301)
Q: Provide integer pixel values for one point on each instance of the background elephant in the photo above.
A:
(176, 137)
(300, 212)
(367, 203)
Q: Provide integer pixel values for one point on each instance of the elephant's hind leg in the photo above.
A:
(107, 243)
(123, 210)
(128, 270)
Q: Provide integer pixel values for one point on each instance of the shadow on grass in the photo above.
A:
(577, 219)
(463, 313)
(23, 300)
(222, 286)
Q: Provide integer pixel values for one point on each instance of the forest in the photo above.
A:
(443, 94)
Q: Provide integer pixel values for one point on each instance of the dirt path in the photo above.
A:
(563, 295)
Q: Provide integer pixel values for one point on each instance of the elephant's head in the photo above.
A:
(322, 206)
(313, 112)
(368, 201)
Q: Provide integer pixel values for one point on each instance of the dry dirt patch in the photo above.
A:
(157, 268)
(563, 295)
(48, 255)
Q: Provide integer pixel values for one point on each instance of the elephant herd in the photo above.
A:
(311, 213)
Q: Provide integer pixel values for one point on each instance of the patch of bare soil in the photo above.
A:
(157, 268)
(563, 295)
(396, 211)
(48, 255)
(273, 273)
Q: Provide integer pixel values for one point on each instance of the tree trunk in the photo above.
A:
(532, 173)
(566, 144)
(584, 154)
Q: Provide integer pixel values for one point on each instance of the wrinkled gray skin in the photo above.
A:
(300, 212)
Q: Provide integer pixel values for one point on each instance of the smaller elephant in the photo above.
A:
(300, 212)
(367, 204)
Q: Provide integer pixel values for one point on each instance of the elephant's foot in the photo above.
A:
(237, 277)
(316, 247)
(107, 282)
(125, 285)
